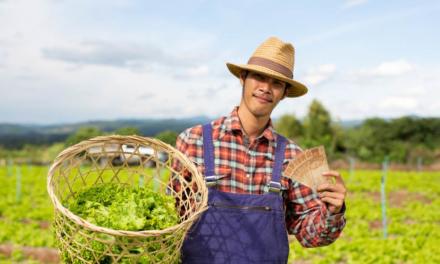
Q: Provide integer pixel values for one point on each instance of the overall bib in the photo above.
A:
(239, 228)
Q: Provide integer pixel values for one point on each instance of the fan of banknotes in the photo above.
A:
(307, 168)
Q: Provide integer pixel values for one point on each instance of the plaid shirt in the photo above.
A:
(247, 168)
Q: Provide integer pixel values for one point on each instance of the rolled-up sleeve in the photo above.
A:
(308, 218)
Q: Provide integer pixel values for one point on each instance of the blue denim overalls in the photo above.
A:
(239, 228)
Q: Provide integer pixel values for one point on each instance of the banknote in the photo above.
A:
(307, 168)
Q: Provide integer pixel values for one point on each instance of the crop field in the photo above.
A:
(413, 221)
(412, 210)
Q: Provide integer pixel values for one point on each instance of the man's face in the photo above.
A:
(261, 93)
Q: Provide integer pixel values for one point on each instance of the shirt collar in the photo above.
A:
(232, 123)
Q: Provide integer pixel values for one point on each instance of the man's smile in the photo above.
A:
(262, 98)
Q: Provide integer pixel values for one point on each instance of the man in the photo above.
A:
(251, 206)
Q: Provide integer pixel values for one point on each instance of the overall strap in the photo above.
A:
(208, 150)
(279, 158)
(275, 184)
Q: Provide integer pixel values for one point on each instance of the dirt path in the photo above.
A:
(399, 198)
(42, 254)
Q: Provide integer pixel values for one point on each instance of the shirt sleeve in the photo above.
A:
(308, 218)
(176, 179)
(189, 143)
(180, 182)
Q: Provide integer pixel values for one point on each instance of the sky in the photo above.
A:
(65, 61)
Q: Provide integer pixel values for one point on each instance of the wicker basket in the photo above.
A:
(132, 160)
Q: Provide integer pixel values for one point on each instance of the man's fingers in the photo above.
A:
(335, 175)
(331, 187)
(332, 201)
(334, 195)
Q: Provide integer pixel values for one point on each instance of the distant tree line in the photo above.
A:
(85, 133)
(402, 140)
(42, 154)
(19, 141)
(15, 136)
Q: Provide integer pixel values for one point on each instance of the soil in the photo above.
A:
(376, 224)
(344, 164)
(42, 224)
(399, 198)
(42, 254)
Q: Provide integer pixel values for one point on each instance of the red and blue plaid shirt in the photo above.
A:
(246, 167)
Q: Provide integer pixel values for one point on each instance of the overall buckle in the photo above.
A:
(272, 186)
(213, 179)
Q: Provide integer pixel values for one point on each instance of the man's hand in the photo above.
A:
(333, 194)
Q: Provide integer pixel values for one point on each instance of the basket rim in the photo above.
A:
(83, 145)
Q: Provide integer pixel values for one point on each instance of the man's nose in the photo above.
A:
(265, 86)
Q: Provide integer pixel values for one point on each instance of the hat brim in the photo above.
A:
(295, 88)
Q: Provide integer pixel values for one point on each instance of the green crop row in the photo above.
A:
(413, 220)
(413, 215)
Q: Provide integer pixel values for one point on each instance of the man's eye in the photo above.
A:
(278, 84)
(258, 77)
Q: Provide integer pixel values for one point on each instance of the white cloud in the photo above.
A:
(386, 69)
(120, 54)
(389, 89)
(399, 103)
(413, 93)
(413, 90)
(50, 76)
(392, 68)
(198, 71)
(51, 71)
(319, 74)
(192, 72)
(353, 3)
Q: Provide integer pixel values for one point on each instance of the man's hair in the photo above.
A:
(244, 74)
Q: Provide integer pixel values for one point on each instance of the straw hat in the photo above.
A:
(275, 59)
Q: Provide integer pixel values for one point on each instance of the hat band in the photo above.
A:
(271, 65)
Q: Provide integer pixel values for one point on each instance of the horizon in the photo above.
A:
(360, 120)
(76, 61)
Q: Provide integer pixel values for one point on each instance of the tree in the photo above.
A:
(370, 141)
(318, 127)
(289, 126)
(83, 133)
(167, 136)
(52, 151)
(401, 139)
(127, 131)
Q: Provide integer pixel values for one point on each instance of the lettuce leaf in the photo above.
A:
(124, 207)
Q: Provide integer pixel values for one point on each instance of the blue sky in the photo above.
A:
(69, 61)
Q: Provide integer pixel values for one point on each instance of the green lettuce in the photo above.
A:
(122, 207)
